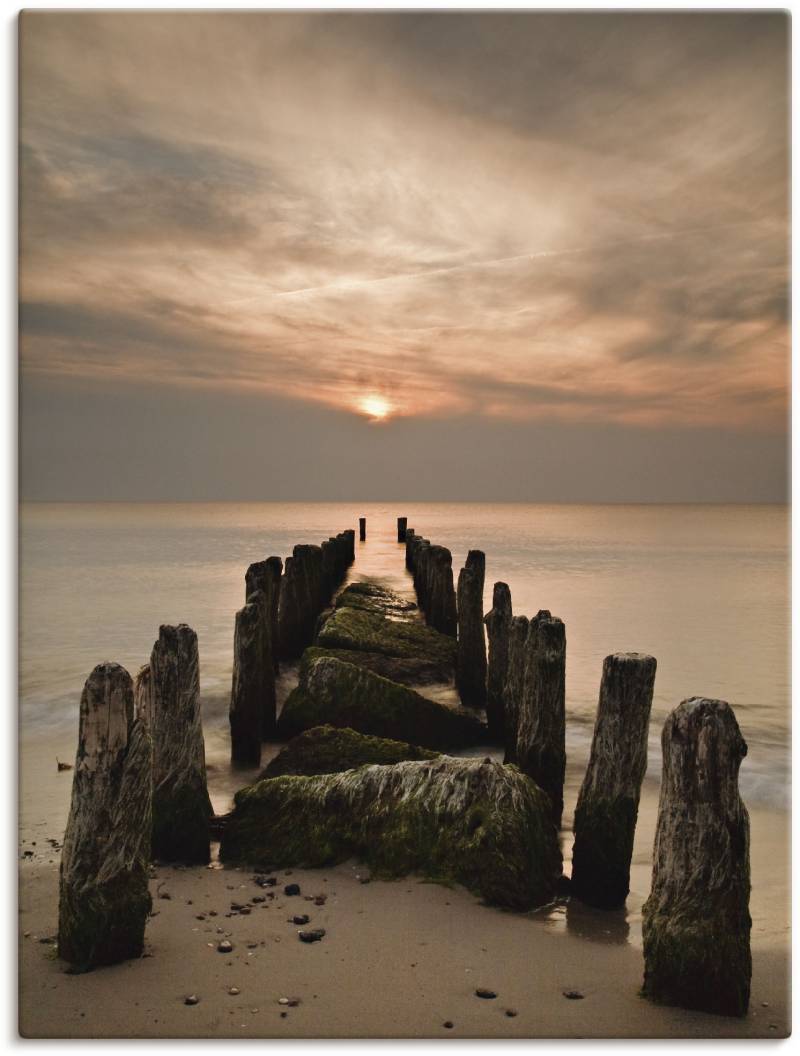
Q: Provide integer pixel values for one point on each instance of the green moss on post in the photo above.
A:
(696, 922)
(479, 824)
(328, 750)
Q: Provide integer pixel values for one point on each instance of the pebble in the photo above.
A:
(311, 936)
(448, 1024)
(320, 900)
(487, 995)
(192, 999)
(291, 889)
(225, 946)
(573, 995)
(234, 990)
(283, 1000)
(511, 1012)
(284, 1015)
(302, 919)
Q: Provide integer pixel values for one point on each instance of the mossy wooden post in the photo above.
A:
(262, 582)
(252, 670)
(471, 655)
(181, 807)
(608, 802)
(515, 683)
(696, 922)
(402, 523)
(541, 730)
(362, 528)
(104, 899)
(498, 626)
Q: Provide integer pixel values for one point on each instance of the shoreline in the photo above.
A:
(399, 959)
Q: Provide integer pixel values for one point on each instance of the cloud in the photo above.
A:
(574, 217)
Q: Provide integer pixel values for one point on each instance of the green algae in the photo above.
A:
(339, 694)
(328, 750)
(370, 632)
(479, 824)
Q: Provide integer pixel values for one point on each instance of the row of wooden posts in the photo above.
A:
(139, 786)
(696, 922)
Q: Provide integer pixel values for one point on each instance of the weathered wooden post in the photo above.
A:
(515, 683)
(608, 802)
(442, 613)
(104, 899)
(410, 537)
(362, 528)
(143, 696)
(541, 730)
(471, 653)
(402, 523)
(252, 668)
(498, 626)
(696, 922)
(262, 582)
(181, 807)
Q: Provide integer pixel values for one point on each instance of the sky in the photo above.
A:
(478, 256)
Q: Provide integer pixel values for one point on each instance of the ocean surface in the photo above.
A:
(705, 589)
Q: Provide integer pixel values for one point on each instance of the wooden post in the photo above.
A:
(608, 802)
(541, 730)
(104, 899)
(471, 654)
(515, 683)
(498, 626)
(262, 582)
(252, 669)
(362, 528)
(442, 613)
(402, 523)
(181, 807)
(696, 922)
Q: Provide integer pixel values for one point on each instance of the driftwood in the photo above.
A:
(498, 626)
(696, 922)
(541, 729)
(181, 807)
(471, 656)
(608, 803)
(252, 671)
(103, 887)
(515, 683)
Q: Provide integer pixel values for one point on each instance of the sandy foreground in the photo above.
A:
(399, 959)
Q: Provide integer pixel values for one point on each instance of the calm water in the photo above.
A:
(703, 588)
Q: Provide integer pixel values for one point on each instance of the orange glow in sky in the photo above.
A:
(376, 407)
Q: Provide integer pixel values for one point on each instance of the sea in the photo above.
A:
(703, 588)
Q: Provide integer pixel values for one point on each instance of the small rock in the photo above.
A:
(284, 1015)
(573, 995)
(165, 894)
(200, 916)
(302, 919)
(294, 1002)
(511, 1012)
(192, 999)
(224, 946)
(311, 936)
(364, 879)
(283, 1000)
(291, 889)
(234, 990)
(448, 1024)
(320, 900)
(259, 898)
(487, 995)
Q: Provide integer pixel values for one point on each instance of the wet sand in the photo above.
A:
(399, 959)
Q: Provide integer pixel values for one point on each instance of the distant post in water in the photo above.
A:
(250, 674)
(104, 899)
(362, 528)
(608, 802)
(402, 523)
(181, 807)
(696, 922)
(471, 654)
(498, 626)
(515, 683)
(541, 731)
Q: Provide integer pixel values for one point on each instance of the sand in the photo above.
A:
(399, 959)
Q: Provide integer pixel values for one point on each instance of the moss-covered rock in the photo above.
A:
(370, 596)
(407, 670)
(480, 824)
(341, 694)
(328, 750)
(370, 632)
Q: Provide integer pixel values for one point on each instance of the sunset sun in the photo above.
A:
(377, 407)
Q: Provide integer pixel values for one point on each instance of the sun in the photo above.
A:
(377, 407)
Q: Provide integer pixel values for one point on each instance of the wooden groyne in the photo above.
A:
(374, 749)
